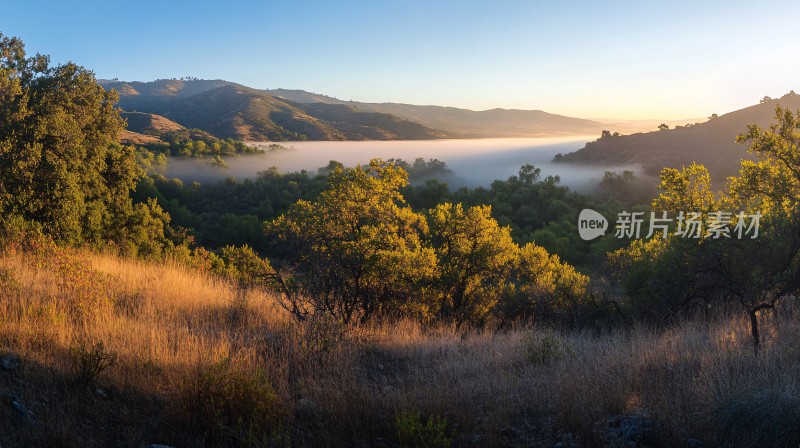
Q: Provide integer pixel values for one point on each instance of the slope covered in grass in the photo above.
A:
(200, 362)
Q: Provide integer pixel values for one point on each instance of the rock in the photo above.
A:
(9, 362)
(23, 413)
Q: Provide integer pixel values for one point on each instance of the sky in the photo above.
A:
(614, 59)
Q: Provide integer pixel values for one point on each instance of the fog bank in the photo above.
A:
(475, 162)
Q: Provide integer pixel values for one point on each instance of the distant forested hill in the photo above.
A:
(712, 143)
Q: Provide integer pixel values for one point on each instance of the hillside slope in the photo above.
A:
(226, 109)
(284, 114)
(712, 143)
(467, 123)
(150, 124)
(199, 361)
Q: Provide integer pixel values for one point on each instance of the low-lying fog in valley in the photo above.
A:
(474, 162)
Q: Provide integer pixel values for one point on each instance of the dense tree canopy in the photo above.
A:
(753, 271)
(475, 255)
(357, 249)
(60, 163)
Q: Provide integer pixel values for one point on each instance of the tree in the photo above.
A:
(627, 188)
(545, 284)
(663, 127)
(771, 187)
(475, 257)
(685, 190)
(754, 273)
(355, 251)
(713, 117)
(60, 163)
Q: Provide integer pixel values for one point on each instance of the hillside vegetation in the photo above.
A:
(199, 361)
(376, 313)
(712, 143)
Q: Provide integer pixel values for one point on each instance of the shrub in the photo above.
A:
(92, 360)
(544, 347)
(230, 405)
(8, 283)
(412, 432)
(322, 336)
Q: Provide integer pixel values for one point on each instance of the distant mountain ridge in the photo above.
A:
(227, 109)
(712, 143)
(466, 123)
(230, 110)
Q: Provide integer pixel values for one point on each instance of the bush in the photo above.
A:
(91, 361)
(544, 347)
(229, 405)
(322, 336)
(412, 432)
(8, 283)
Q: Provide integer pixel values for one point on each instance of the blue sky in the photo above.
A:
(621, 59)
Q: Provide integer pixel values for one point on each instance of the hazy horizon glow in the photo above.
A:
(625, 59)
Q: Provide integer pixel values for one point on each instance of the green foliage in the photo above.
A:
(653, 275)
(754, 273)
(421, 170)
(357, 249)
(8, 282)
(231, 212)
(685, 190)
(537, 210)
(545, 346)
(195, 143)
(229, 405)
(414, 433)
(626, 188)
(245, 266)
(475, 255)
(545, 285)
(60, 165)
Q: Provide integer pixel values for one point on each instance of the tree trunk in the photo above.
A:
(754, 330)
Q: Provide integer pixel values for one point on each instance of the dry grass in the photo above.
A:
(200, 362)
